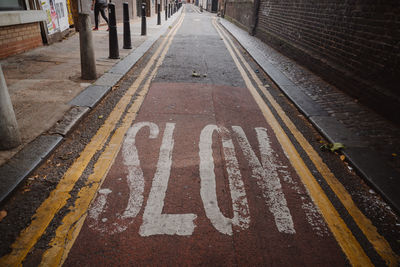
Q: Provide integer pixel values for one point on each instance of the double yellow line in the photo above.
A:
(67, 232)
(338, 227)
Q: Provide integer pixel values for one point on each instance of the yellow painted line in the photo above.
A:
(341, 232)
(380, 244)
(59, 196)
(72, 223)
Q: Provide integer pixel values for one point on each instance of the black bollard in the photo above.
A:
(169, 10)
(158, 13)
(166, 10)
(127, 28)
(113, 37)
(143, 18)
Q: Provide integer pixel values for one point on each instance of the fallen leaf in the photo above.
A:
(101, 116)
(65, 156)
(336, 147)
(58, 165)
(195, 74)
(332, 147)
(3, 214)
(342, 157)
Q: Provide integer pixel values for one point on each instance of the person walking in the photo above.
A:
(99, 6)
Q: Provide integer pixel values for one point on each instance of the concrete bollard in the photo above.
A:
(9, 133)
(88, 60)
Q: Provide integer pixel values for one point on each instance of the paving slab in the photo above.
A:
(70, 119)
(377, 173)
(24, 162)
(336, 132)
(303, 101)
(109, 79)
(90, 96)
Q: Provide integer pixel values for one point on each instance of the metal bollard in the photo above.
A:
(127, 28)
(144, 18)
(166, 10)
(113, 36)
(169, 10)
(158, 13)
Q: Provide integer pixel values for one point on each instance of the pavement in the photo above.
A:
(49, 98)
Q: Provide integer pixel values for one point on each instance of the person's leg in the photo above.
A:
(103, 14)
(96, 16)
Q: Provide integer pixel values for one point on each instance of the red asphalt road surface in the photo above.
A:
(109, 239)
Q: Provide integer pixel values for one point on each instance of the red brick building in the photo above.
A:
(19, 27)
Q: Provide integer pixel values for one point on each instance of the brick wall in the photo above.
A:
(240, 12)
(16, 39)
(352, 43)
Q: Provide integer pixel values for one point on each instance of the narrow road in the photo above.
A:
(198, 164)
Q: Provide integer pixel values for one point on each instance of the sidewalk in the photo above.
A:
(372, 143)
(49, 97)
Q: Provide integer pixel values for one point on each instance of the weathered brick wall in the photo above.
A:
(16, 39)
(240, 12)
(352, 43)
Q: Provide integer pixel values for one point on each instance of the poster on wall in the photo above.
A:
(62, 14)
(70, 18)
(52, 20)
